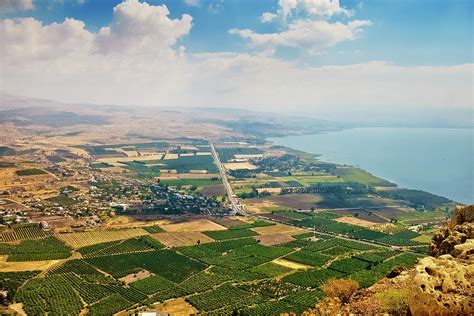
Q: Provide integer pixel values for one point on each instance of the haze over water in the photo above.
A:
(437, 160)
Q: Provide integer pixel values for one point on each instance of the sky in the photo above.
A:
(281, 55)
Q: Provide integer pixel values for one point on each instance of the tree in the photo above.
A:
(340, 288)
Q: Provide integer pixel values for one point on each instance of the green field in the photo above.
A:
(197, 182)
(30, 172)
(227, 154)
(48, 248)
(308, 180)
(360, 176)
(184, 164)
(235, 266)
(22, 232)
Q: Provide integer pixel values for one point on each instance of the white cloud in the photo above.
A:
(268, 17)
(136, 28)
(312, 35)
(140, 27)
(28, 39)
(317, 8)
(263, 82)
(14, 5)
(216, 7)
(307, 26)
(135, 61)
(193, 3)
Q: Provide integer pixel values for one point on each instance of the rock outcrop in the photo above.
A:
(444, 284)
(459, 230)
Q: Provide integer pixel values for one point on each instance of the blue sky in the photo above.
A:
(404, 32)
(350, 56)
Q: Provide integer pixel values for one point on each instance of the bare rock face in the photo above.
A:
(463, 215)
(442, 286)
(459, 231)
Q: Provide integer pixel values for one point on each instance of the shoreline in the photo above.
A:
(323, 158)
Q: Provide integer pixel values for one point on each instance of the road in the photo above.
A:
(236, 207)
(239, 210)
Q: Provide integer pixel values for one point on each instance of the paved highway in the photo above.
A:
(240, 210)
(236, 207)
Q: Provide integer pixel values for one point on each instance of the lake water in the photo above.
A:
(437, 160)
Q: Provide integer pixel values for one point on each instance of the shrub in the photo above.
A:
(395, 271)
(394, 301)
(340, 288)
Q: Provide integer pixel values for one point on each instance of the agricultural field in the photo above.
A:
(230, 234)
(274, 239)
(360, 176)
(278, 229)
(82, 239)
(239, 166)
(180, 239)
(282, 202)
(30, 172)
(49, 248)
(308, 180)
(23, 232)
(127, 273)
(227, 154)
(184, 164)
(196, 182)
(193, 226)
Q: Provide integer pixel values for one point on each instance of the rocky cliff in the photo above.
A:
(444, 283)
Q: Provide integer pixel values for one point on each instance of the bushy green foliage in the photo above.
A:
(166, 263)
(230, 234)
(336, 251)
(394, 301)
(237, 275)
(366, 278)
(312, 278)
(90, 292)
(293, 303)
(130, 293)
(185, 164)
(225, 295)
(110, 305)
(308, 257)
(339, 288)
(203, 281)
(406, 260)
(49, 295)
(170, 292)
(208, 252)
(30, 172)
(332, 226)
(418, 198)
(24, 231)
(84, 270)
(270, 269)
(228, 153)
(349, 265)
(32, 250)
(376, 257)
(152, 284)
(11, 281)
(116, 248)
